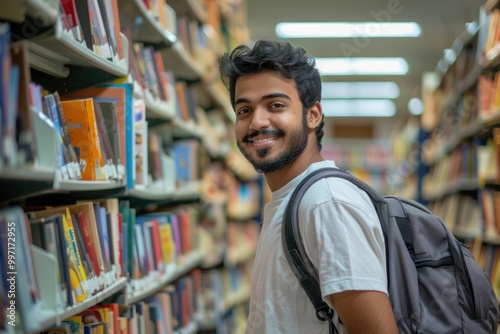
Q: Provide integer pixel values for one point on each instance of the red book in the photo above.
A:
(162, 75)
(88, 243)
(155, 235)
(116, 313)
(71, 19)
(187, 232)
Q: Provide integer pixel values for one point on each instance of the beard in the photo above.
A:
(297, 145)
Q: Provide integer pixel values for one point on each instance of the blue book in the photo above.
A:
(184, 153)
(102, 228)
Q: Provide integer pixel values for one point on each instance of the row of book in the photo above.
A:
(488, 257)
(369, 162)
(489, 200)
(102, 134)
(200, 300)
(18, 144)
(172, 309)
(93, 245)
(488, 95)
(222, 291)
(492, 30)
(96, 25)
(147, 68)
(162, 12)
(470, 59)
(461, 213)
(475, 219)
(473, 215)
(472, 162)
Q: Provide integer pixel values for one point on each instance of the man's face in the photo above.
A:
(271, 129)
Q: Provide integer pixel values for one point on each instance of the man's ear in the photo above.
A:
(314, 115)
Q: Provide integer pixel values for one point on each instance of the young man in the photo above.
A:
(275, 91)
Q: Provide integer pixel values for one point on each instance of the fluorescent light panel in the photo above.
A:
(347, 29)
(358, 108)
(362, 66)
(360, 90)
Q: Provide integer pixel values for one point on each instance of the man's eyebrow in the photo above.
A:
(274, 95)
(265, 97)
(241, 100)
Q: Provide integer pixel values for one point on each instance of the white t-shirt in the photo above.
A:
(343, 239)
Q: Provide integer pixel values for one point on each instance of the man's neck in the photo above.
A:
(279, 178)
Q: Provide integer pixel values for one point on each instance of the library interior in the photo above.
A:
(126, 205)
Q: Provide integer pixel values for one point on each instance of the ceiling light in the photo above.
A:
(362, 66)
(352, 90)
(415, 106)
(358, 108)
(347, 29)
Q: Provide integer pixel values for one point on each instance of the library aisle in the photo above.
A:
(125, 205)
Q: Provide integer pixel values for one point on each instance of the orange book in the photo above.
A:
(162, 75)
(84, 136)
(162, 14)
(122, 96)
(180, 89)
(187, 232)
(213, 15)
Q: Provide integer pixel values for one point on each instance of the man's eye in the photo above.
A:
(277, 105)
(243, 110)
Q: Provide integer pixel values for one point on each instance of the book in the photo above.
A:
(121, 95)
(75, 324)
(63, 163)
(140, 144)
(93, 286)
(52, 239)
(109, 117)
(102, 231)
(17, 267)
(73, 160)
(25, 136)
(182, 102)
(70, 13)
(110, 168)
(84, 135)
(185, 154)
(90, 247)
(73, 264)
(114, 220)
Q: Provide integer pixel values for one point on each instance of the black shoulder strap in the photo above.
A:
(292, 240)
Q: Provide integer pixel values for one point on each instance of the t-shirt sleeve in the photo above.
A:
(344, 240)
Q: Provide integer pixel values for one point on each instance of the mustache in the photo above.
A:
(252, 135)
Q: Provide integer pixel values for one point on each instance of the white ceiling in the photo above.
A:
(442, 21)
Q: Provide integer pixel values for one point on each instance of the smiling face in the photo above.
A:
(271, 128)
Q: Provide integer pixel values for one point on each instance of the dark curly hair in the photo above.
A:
(291, 62)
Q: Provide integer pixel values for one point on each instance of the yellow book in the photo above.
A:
(82, 126)
(76, 324)
(74, 267)
(77, 274)
(167, 243)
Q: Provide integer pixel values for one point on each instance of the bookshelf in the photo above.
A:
(460, 150)
(121, 244)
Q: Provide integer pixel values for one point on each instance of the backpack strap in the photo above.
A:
(291, 238)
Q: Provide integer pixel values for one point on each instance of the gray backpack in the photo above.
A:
(435, 285)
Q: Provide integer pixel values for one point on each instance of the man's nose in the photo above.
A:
(260, 119)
